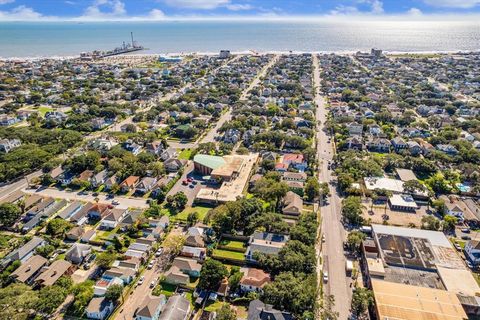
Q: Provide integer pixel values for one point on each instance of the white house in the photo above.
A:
(99, 308)
(472, 251)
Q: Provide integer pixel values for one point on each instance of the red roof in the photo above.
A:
(293, 157)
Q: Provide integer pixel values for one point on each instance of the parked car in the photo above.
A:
(457, 246)
(189, 179)
(159, 252)
(185, 182)
(95, 194)
(115, 202)
(150, 265)
(466, 238)
(325, 276)
(140, 281)
(469, 264)
(466, 230)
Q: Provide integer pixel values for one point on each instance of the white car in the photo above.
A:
(152, 284)
(115, 202)
(140, 281)
(325, 276)
(150, 265)
(159, 252)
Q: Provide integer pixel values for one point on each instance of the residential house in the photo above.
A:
(133, 147)
(75, 233)
(448, 149)
(381, 145)
(264, 242)
(99, 308)
(155, 147)
(50, 275)
(99, 178)
(231, 136)
(194, 252)
(472, 251)
(29, 270)
(6, 145)
(181, 271)
(399, 144)
(112, 220)
(151, 307)
(176, 308)
(24, 252)
(294, 176)
(98, 211)
(355, 129)
(146, 184)
(98, 123)
(257, 310)
(101, 286)
(354, 143)
(169, 153)
(129, 183)
(65, 178)
(88, 236)
(253, 279)
(110, 182)
(173, 165)
(295, 160)
(56, 172)
(77, 253)
(86, 175)
(292, 204)
(414, 148)
(125, 274)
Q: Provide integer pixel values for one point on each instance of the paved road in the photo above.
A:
(338, 284)
(8, 189)
(124, 203)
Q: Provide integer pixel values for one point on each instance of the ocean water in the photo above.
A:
(20, 39)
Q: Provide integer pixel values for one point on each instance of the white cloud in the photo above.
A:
(6, 1)
(22, 13)
(197, 4)
(239, 7)
(462, 4)
(414, 12)
(115, 9)
(155, 14)
(376, 8)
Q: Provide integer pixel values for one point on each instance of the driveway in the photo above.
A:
(124, 203)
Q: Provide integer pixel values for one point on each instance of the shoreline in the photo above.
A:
(246, 52)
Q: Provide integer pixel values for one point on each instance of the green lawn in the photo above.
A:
(43, 110)
(233, 244)
(228, 254)
(202, 212)
(165, 289)
(185, 154)
(213, 306)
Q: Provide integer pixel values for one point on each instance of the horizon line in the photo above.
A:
(404, 17)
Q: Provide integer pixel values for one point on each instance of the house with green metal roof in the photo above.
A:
(205, 164)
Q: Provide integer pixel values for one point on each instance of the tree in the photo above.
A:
(362, 298)
(430, 223)
(192, 218)
(83, 293)
(270, 189)
(234, 279)
(57, 228)
(226, 313)
(177, 202)
(449, 223)
(312, 188)
(173, 244)
(50, 298)
(344, 180)
(9, 213)
(16, 301)
(440, 206)
(413, 186)
(327, 312)
(211, 274)
(45, 251)
(293, 293)
(105, 259)
(352, 210)
(114, 292)
(354, 240)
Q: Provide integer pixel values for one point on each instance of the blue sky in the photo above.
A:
(94, 10)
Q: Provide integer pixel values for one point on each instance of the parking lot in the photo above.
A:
(190, 183)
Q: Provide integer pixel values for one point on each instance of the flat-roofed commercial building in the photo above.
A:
(405, 302)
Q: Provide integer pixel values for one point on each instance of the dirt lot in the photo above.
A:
(397, 218)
